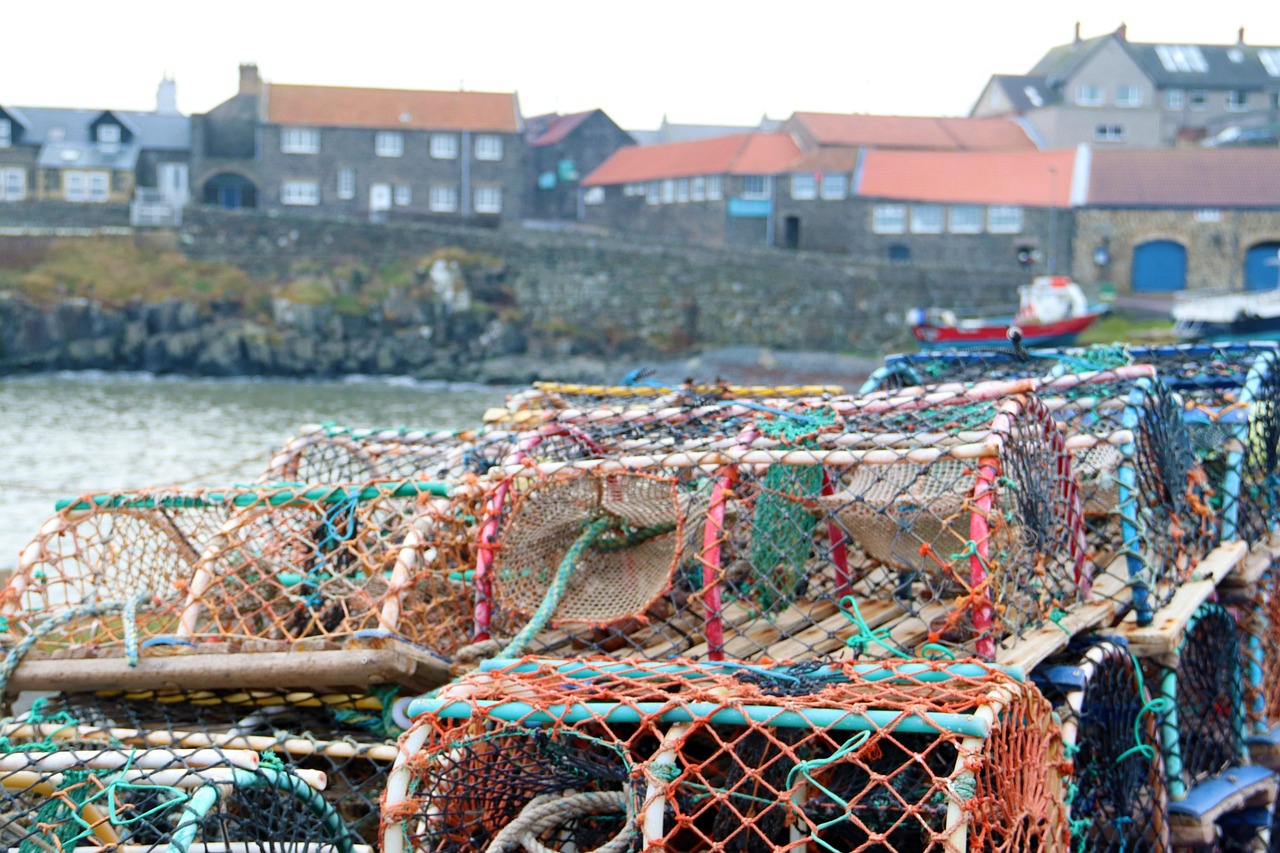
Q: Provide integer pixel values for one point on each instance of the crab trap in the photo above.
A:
(327, 453)
(309, 579)
(1118, 795)
(65, 795)
(678, 756)
(909, 522)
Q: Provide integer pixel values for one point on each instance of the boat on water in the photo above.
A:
(1227, 315)
(1052, 311)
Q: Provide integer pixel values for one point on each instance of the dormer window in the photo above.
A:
(109, 136)
(6, 133)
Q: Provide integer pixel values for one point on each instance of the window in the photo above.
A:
(755, 186)
(388, 143)
(714, 191)
(653, 192)
(13, 184)
(698, 189)
(668, 191)
(889, 219)
(593, 195)
(488, 147)
(489, 199)
(1174, 99)
(682, 189)
(346, 183)
(403, 195)
(899, 254)
(1199, 99)
(1089, 95)
(6, 133)
(304, 193)
(1004, 219)
(299, 140)
(1128, 96)
(834, 186)
(635, 189)
(1181, 57)
(965, 219)
(1237, 101)
(444, 146)
(444, 199)
(85, 186)
(1109, 133)
(804, 186)
(926, 219)
(98, 183)
(109, 136)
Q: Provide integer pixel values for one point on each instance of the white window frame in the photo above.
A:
(804, 186)
(13, 184)
(488, 146)
(109, 136)
(591, 195)
(1175, 99)
(1109, 132)
(443, 198)
(403, 195)
(299, 140)
(99, 186)
(698, 188)
(300, 193)
(965, 219)
(6, 133)
(636, 188)
(1004, 219)
(889, 219)
(489, 199)
(653, 192)
(668, 190)
(1235, 101)
(715, 188)
(346, 184)
(834, 186)
(82, 186)
(1089, 95)
(927, 218)
(444, 146)
(753, 192)
(1129, 97)
(1198, 99)
(388, 143)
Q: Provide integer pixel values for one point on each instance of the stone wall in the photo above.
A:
(35, 217)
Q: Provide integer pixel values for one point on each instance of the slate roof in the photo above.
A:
(969, 177)
(738, 154)
(410, 109)
(1230, 66)
(1185, 177)
(1023, 91)
(86, 155)
(928, 133)
(153, 130)
(1063, 61)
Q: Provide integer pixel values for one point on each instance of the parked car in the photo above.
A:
(1239, 137)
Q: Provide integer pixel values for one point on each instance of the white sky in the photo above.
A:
(696, 61)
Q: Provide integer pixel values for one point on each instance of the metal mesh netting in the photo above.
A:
(327, 453)
(1118, 795)
(66, 786)
(679, 756)
(285, 565)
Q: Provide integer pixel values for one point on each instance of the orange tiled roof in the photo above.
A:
(827, 160)
(1032, 178)
(915, 132)
(340, 106)
(736, 154)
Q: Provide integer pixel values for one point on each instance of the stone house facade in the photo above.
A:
(562, 150)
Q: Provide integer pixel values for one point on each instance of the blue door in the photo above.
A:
(1262, 267)
(229, 197)
(1159, 267)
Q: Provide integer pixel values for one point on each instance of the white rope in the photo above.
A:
(549, 811)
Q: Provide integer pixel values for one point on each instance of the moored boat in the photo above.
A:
(1052, 311)
(1227, 315)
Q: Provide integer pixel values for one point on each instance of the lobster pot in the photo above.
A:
(289, 570)
(564, 395)
(679, 756)
(178, 801)
(1258, 634)
(1119, 797)
(347, 740)
(586, 559)
(905, 370)
(326, 453)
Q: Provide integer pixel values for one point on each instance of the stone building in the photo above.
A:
(562, 150)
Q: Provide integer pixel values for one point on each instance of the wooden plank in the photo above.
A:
(1109, 596)
(1164, 634)
(1256, 562)
(1199, 829)
(829, 635)
(337, 668)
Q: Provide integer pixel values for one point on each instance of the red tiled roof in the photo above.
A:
(558, 127)
(827, 160)
(1032, 178)
(736, 154)
(915, 132)
(1185, 177)
(340, 106)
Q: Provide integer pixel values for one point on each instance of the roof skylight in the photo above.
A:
(1270, 57)
(1181, 57)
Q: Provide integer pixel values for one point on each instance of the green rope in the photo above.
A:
(57, 824)
(805, 769)
(866, 635)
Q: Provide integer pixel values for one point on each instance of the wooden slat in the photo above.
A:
(828, 636)
(1198, 830)
(1256, 562)
(1109, 596)
(1164, 634)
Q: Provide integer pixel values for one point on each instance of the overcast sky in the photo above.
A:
(696, 61)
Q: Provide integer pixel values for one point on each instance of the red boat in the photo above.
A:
(1052, 312)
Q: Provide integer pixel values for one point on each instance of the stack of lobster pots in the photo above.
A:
(992, 601)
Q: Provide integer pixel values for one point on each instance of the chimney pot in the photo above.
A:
(1122, 32)
(1240, 36)
(1077, 32)
(250, 82)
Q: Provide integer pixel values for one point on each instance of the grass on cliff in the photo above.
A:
(114, 272)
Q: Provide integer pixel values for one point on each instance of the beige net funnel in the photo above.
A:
(621, 574)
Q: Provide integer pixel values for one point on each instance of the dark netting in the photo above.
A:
(929, 368)
(1208, 701)
(1118, 795)
(606, 755)
(328, 453)
(347, 738)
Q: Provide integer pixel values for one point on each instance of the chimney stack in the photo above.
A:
(1122, 32)
(1240, 37)
(1077, 32)
(167, 97)
(250, 82)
